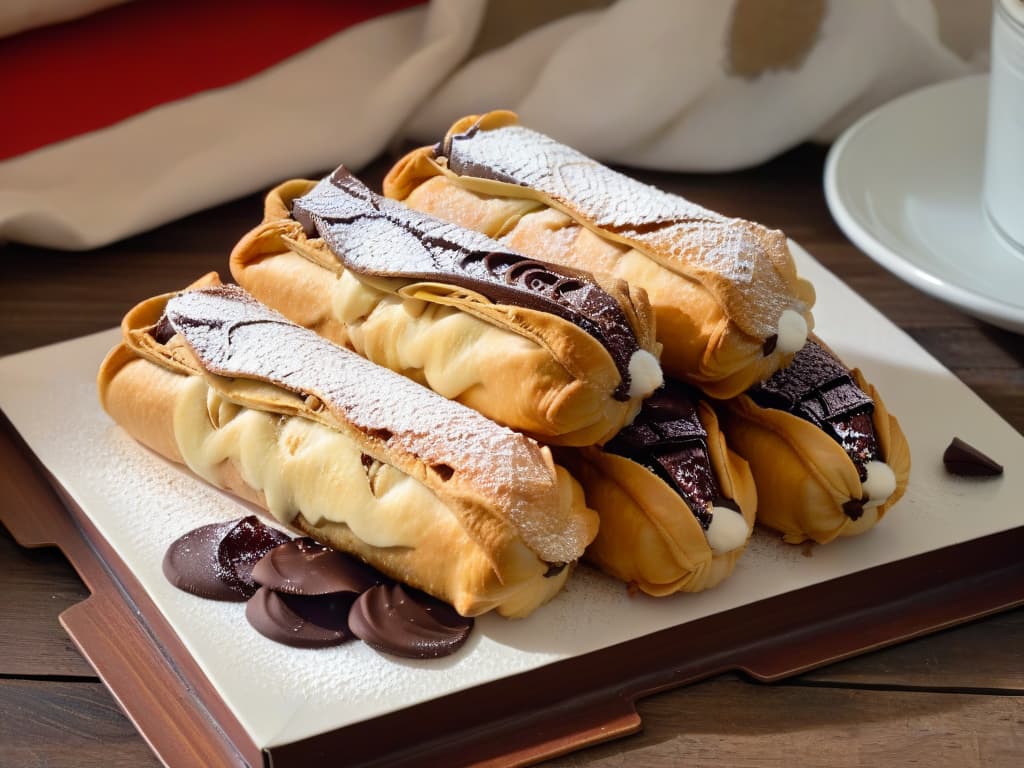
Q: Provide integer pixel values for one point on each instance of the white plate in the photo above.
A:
(904, 184)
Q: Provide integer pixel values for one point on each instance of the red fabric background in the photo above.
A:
(63, 80)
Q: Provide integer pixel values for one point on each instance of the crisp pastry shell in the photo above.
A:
(803, 476)
(528, 370)
(475, 566)
(705, 320)
(649, 537)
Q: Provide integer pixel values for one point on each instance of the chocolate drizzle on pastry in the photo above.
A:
(668, 438)
(376, 236)
(819, 389)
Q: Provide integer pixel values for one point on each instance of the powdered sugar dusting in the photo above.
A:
(234, 335)
(699, 243)
(341, 199)
(374, 235)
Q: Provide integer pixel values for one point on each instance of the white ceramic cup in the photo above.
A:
(1004, 149)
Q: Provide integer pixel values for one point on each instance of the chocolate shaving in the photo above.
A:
(854, 508)
(306, 567)
(163, 331)
(216, 561)
(965, 460)
(301, 621)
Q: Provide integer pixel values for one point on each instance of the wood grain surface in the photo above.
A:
(952, 699)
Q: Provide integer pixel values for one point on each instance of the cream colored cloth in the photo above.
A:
(680, 85)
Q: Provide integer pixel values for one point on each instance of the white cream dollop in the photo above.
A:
(792, 332)
(728, 530)
(879, 483)
(645, 374)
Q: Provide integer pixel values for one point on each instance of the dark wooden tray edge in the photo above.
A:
(118, 629)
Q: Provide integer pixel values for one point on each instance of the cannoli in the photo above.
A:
(543, 349)
(676, 505)
(827, 457)
(427, 491)
(730, 307)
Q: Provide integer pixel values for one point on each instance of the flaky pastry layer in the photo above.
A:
(649, 537)
(804, 477)
(523, 368)
(356, 489)
(721, 288)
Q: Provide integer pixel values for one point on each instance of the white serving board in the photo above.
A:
(140, 503)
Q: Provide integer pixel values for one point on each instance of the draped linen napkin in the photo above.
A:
(125, 115)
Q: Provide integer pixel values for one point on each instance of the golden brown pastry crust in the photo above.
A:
(718, 286)
(648, 536)
(803, 476)
(526, 369)
(464, 546)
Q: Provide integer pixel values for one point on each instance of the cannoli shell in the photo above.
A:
(803, 476)
(648, 536)
(526, 369)
(718, 286)
(299, 458)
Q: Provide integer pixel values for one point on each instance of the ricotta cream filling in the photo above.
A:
(792, 332)
(302, 466)
(879, 484)
(453, 349)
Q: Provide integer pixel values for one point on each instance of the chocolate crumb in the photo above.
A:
(965, 460)
(854, 508)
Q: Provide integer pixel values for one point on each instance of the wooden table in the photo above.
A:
(951, 699)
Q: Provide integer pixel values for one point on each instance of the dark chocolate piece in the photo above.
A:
(375, 236)
(965, 460)
(668, 438)
(216, 561)
(408, 623)
(854, 508)
(818, 388)
(306, 567)
(163, 331)
(301, 621)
